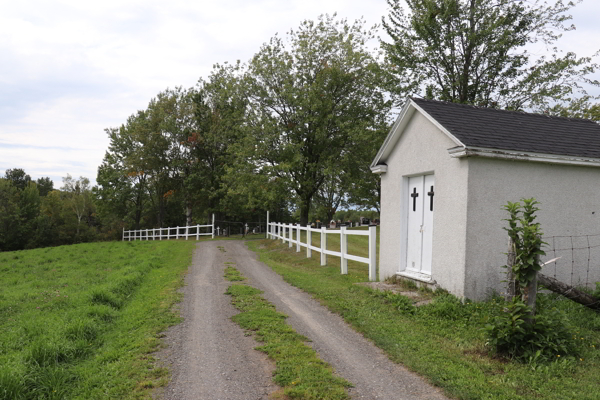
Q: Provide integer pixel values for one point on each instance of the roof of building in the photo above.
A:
(516, 131)
(488, 132)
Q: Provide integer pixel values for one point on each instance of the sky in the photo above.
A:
(71, 69)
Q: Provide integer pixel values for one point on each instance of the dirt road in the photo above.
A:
(212, 359)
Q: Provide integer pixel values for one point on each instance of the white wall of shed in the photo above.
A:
(423, 149)
(569, 205)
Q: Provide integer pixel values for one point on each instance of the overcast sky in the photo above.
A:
(70, 69)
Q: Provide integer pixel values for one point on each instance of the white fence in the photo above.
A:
(285, 232)
(170, 233)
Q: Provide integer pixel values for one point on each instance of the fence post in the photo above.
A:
(290, 235)
(282, 233)
(146, 234)
(298, 238)
(323, 245)
(373, 253)
(343, 250)
(267, 224)
(308, 241)
(187, 231)
(123, 234)
(213, 226)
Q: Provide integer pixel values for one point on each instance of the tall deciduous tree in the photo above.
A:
(45, 185)
(18, 177)
(78, 197)
(475, 52)
(311, 97)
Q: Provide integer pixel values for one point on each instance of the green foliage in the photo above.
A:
(526, 235)
(547, 338)
(476, 52)
(316, 100)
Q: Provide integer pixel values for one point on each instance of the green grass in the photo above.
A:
(82, 321)
(299, 371)
(444, 340)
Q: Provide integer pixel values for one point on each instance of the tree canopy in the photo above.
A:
(476, 52)
(314, 98)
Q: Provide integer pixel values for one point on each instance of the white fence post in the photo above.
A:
(146, 234)
(282, 233)
(187, 231)
(298, 238)
(323, 245)
(213, 226)
(308, 241)
(291, 235)
(123, 234)
(372, 253)
(344, 249)
(267, 225)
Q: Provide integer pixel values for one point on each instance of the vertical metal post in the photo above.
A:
(308, 241)
(323, 245)
(373, 253)
(343, 250)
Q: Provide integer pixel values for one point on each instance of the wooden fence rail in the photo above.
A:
(170, 233)
(285, 232)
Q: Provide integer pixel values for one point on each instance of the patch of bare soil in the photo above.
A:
(419, 298)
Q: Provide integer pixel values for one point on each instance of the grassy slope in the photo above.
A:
(443, 341)
(81, 321)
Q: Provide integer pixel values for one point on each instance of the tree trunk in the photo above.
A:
(569, 292)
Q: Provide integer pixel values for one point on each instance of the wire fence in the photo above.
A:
(576, 259)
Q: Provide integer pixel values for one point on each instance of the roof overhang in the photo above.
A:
(463, 151)
(406, 114)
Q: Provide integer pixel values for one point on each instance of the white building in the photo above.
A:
(448, 169)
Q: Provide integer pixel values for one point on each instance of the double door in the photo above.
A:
(420, 204)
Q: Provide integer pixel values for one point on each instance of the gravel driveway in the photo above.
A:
(211, 358)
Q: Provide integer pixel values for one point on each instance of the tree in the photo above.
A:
(18, 177)
(78, 197)
(45, 186)
(474, 52)
(10, 217)
(311, 97)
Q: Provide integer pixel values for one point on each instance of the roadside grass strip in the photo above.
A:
(444, 341)
(82, 321)
(299, 371)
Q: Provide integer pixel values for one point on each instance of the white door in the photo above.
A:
(420, 223)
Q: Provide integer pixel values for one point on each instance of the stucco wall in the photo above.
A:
(570, 205)
(423, 149)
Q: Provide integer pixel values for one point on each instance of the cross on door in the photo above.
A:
(414, 195)
(430, 194)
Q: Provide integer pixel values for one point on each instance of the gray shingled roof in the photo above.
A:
(516, 131)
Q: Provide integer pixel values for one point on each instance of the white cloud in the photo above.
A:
(70, 69)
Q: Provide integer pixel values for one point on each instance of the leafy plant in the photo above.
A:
(515, 332)
(547, 338)
(526, 236)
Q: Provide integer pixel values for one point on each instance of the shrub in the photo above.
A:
(546, 338)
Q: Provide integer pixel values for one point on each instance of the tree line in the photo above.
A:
(294, 129)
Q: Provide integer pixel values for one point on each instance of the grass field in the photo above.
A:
(444, 341)
(81, 321)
